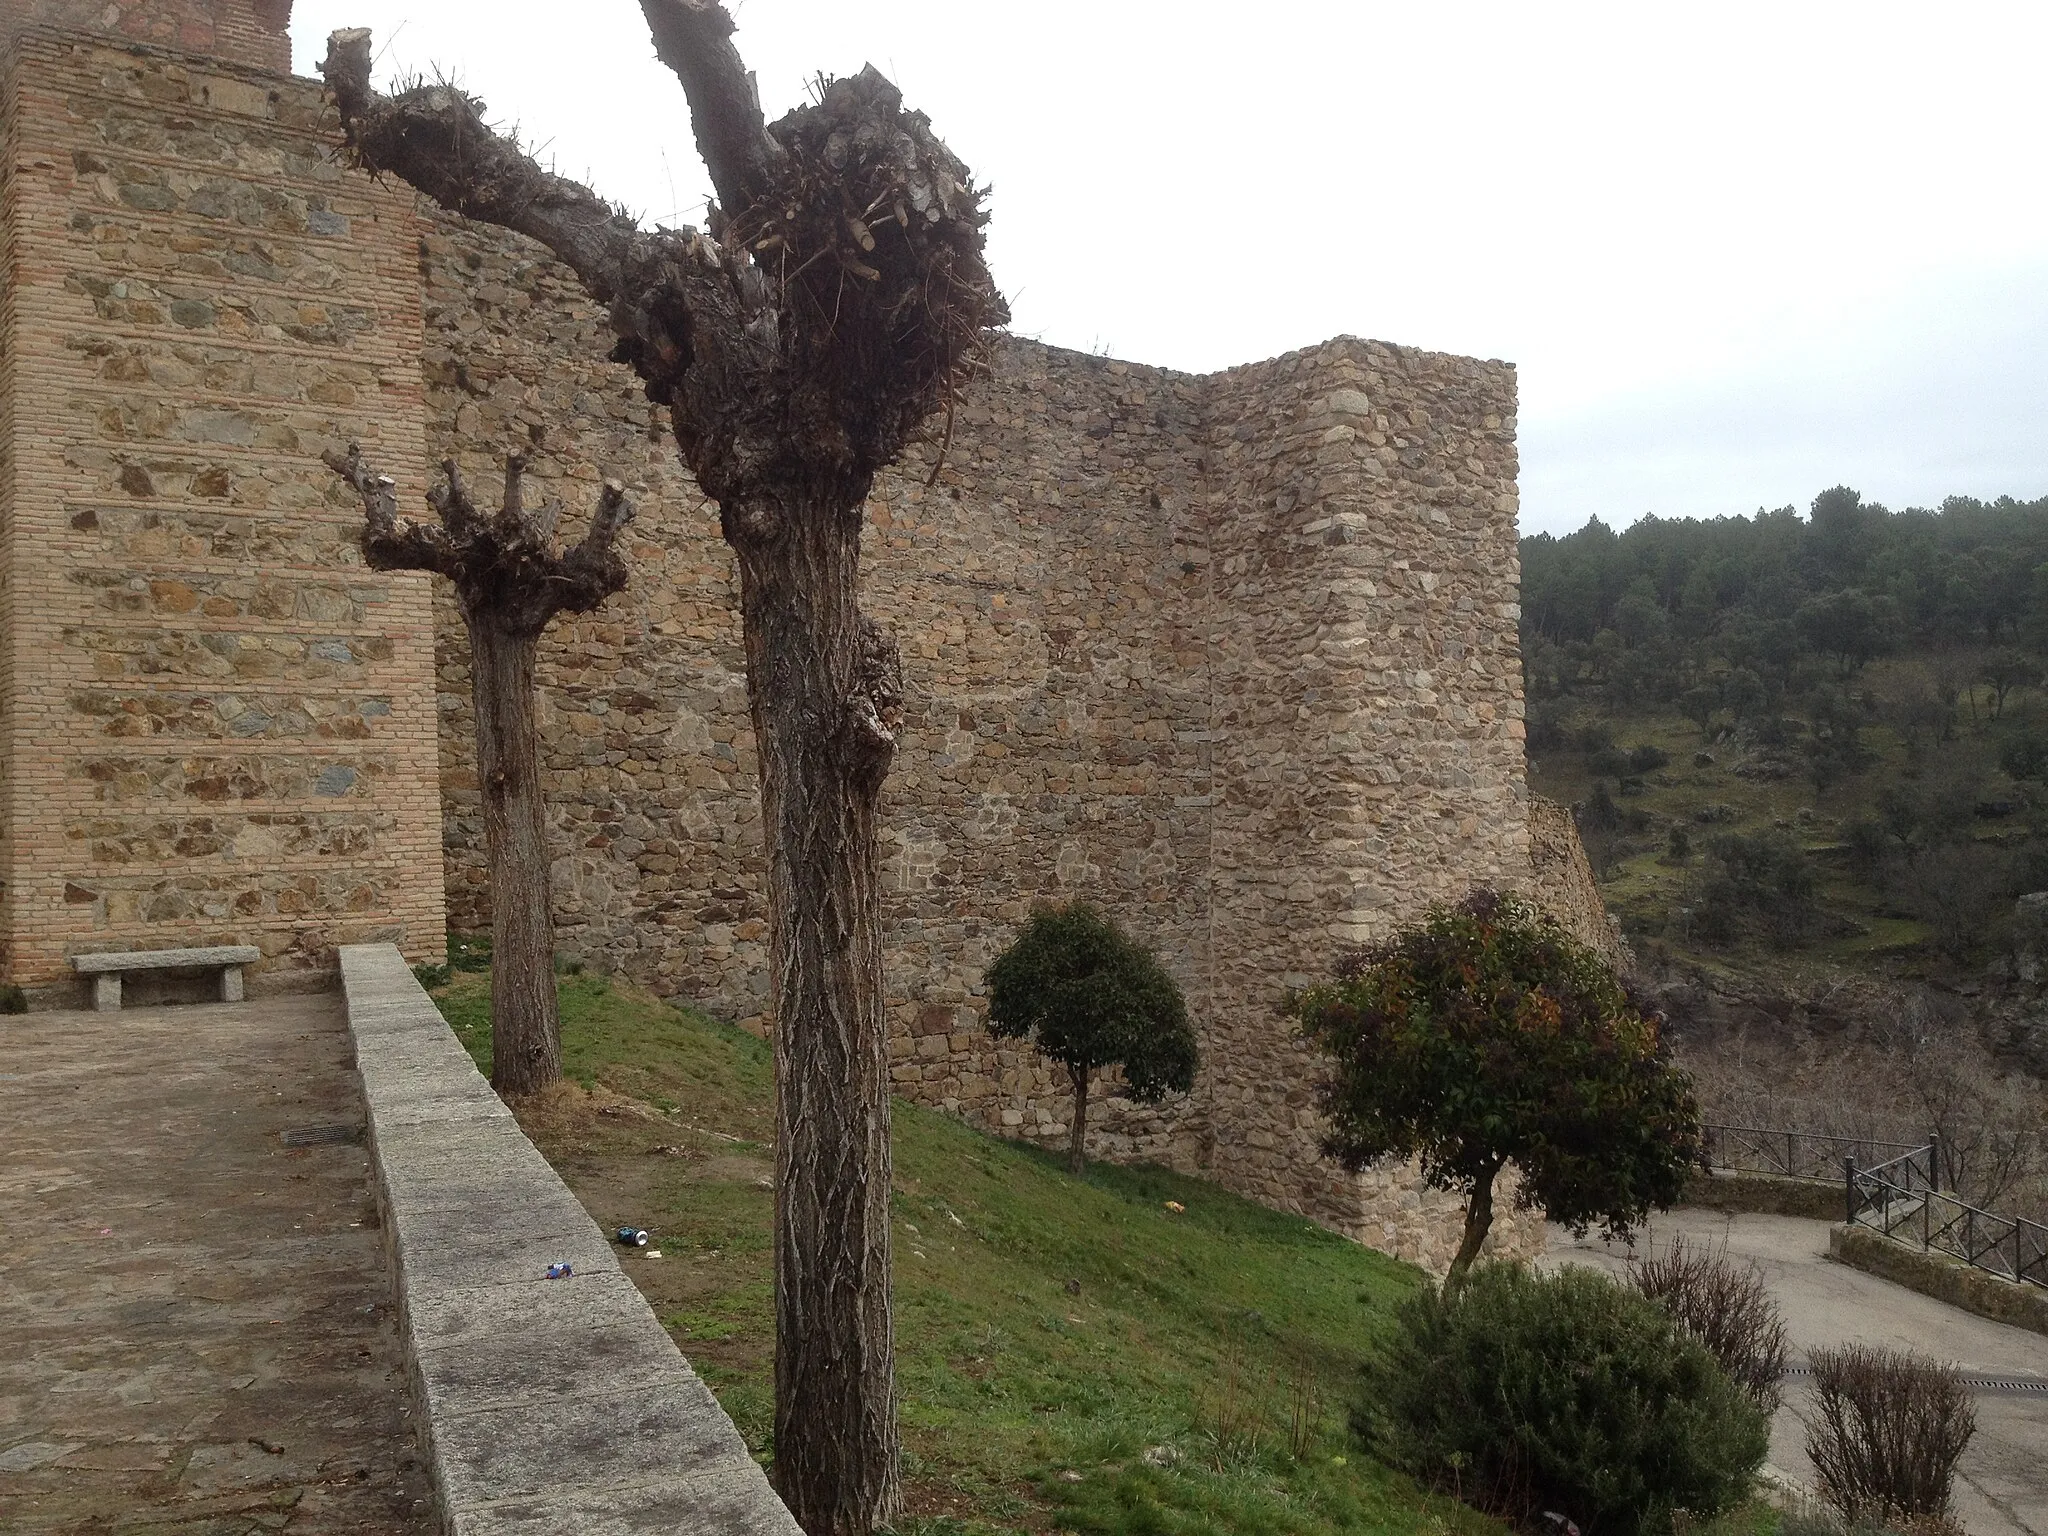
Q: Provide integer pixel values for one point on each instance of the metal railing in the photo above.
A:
(1899, 1200)
(1804, 1154)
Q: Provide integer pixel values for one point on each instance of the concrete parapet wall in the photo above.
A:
(545, 1404)
(1939, 1276)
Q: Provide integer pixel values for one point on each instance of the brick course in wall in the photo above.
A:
(219, 725)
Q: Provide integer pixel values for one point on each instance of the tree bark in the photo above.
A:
(823, 692)
(526, 1029)
(1478, 1220)
(1077, 1148)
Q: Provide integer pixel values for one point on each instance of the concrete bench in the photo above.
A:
(106, 969)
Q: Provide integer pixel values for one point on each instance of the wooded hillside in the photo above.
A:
(1819, 735)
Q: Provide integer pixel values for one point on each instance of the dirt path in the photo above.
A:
(2003, 1490)
(195, 1329)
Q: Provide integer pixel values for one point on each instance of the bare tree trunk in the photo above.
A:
(510, 581)
(1077, 1149)
(816, 670)
(526, 1029)
(1478, 1221)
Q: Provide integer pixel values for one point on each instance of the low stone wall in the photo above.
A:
(1943, 1278)
(544, 1404)
(1763, 1195)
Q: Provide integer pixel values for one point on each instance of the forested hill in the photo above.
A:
(1822, 734)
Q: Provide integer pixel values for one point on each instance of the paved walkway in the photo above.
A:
(196, 1331)
(2003, 1488)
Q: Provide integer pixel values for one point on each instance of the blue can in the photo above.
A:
(632, 1237)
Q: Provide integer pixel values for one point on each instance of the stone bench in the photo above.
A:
(106, 969)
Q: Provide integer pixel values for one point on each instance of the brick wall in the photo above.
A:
(220, 726)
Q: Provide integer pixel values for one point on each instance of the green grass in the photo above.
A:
(1050, 1330)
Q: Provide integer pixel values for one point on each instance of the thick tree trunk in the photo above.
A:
(1077, 1149)
(822, 757)
(1478, 1220)
(526, 1033)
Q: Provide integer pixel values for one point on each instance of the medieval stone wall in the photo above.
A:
(252, 32)
(1234, 657)
(220, 725)
(1562, 882)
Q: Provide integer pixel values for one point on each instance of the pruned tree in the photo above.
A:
(1486, 1036)
(509, 584)
(837, 298)
(1090, 997)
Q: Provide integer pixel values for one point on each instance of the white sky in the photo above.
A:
(1740, 252)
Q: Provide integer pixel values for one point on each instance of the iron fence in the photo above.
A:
(1898, 1200)
(1805, 1154)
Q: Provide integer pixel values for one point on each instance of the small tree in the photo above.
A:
(1486, 1036)
(1088, 996)
(510, 583)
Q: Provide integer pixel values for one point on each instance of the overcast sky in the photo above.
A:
(1739, 253)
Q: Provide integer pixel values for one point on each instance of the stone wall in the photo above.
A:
(219, 725)
(1562, 883)
(1235, 657)
(253, 32)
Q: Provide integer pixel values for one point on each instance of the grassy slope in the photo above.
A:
(1047, 1327)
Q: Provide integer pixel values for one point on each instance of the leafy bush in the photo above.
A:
(1887, 1430)
(1726, 1308)
(1485, 1035)
(1609, 763)
(1532, 1393)
(1762, 884)
(1647, 759)
(431, 976)
(1088, 996)
(13, 999)
(2025, 757)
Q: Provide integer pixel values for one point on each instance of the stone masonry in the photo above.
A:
(218, 726)
(1233, 656)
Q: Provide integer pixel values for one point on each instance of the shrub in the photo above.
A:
(2025, 757)
(1532, 1393)
(431, 976)
(1887, 1430)
(1763, 884)
(1647, 759)
(13, 999)
(1725, 1307)
(1486, 1035)
(1088, 996)
(1610, 763)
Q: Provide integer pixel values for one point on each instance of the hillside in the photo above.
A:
(1801, 741)
(1072, 1354)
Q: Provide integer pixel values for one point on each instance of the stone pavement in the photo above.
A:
(196, 1328)
(2002, 1489)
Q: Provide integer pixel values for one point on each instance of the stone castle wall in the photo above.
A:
(252, 32)
(219, 726)
(1234, 657)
